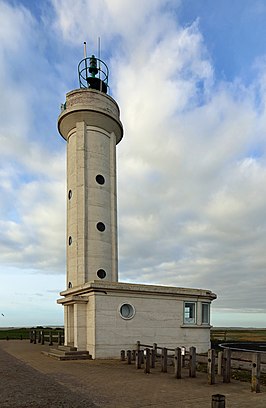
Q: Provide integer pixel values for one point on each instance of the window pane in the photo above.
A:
(205, 313)
(127, 311)
(190, 312)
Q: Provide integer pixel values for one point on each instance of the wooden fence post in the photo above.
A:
(39, 336)
(164, 360)
(218, 401)
(220, 359)
(183, 354)
(153, 358)
(34, 336)
(142, 356)
(154, 347)
(42, 337)
(255, 372)
(59, 339)
(133, 355)
(177, 362)
(192, 362)
(122, 355)
(211, 366)
(226, 365)
(147, 361)
(50, 339)
(138, 359)
(31, 337)
(129, 356)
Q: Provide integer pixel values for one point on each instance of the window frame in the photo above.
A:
(131, 308)
(188, 320)
(208, 313)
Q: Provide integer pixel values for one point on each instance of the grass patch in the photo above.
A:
(243, 335)
(236, 374)
(23, 333)
(244, 375)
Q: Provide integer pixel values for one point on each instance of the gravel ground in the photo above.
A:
(22, 387)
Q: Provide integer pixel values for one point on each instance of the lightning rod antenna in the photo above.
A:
(85, 59)
(85, 50)
(99, 57)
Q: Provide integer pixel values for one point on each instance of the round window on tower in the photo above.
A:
(100, 226)
(70, 194)
(100, 179)
(69, 240)
(127, 311)
(101, 273)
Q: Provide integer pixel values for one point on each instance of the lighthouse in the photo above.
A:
(90, 124)
(101, 315)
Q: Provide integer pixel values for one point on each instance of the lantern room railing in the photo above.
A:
(93, 74)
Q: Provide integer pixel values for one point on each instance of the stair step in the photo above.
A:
(64, 357)
(66, 353)
(67, 348)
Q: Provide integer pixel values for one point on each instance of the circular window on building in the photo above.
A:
(100, 179)
(101, 273)
(127, 311)
(100, 226)
(69, 194)
(69, 240)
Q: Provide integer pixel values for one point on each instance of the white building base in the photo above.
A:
(105, 317)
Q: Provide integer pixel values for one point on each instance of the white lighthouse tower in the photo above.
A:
(101, 315)
(91, 126)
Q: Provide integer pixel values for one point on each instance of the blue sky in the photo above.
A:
(189, 77)
(233, 33)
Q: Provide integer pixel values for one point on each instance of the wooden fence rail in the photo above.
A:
(148, 355)
(221, 364)
(41, 336)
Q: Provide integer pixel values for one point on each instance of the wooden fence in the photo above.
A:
(220, 364)
(41, 336)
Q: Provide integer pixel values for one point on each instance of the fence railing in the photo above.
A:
(41, 336)
(220, 364)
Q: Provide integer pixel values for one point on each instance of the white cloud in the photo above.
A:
(117, 19)
(32, 174)
(186, 163)
(191, 166)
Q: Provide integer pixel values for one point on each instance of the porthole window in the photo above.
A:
(127, 311)
(101, 273)
(100, 179)
(100, 226)
(69, 194)
(69, 240)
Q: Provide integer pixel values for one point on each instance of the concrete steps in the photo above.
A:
(64, 353)
(67, 348)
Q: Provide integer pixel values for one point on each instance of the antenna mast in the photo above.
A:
(85, 50)
(85, 57)
(99, 58)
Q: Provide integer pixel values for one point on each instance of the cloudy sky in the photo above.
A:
(190, 79)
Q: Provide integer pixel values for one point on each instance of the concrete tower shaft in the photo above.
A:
(91, 126)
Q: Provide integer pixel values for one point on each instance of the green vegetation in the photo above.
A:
(232, 334)
(24, 332)
(244, 375)
(236, 374)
